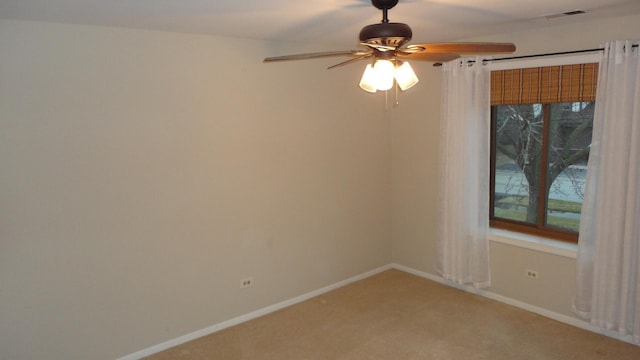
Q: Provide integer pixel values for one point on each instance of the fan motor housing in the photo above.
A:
(384, 4)
(388, 34)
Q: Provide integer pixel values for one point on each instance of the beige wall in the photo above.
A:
(415, 177)
(144, 174)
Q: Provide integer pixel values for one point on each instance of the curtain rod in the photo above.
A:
(539, 55)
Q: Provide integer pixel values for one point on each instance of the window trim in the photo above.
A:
(533, 242)
(550, 61)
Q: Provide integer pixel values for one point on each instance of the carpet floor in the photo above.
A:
(396, 315)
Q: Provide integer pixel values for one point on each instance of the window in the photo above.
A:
(540, 139)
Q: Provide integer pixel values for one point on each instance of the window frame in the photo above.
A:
(534, 229)
(516, 226)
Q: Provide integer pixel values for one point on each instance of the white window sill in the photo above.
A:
(532, 242)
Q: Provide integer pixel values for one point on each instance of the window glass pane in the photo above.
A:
(570, 129)
(518, 144)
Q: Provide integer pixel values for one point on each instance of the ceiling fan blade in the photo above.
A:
(350, 61)
(315, 55)
(379, 46)
(466, 48)
(425, 56)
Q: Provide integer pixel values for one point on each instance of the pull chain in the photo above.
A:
(397, 103)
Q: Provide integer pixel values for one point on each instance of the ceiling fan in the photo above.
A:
(385, 44)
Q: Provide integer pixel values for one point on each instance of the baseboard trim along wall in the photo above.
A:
(250, 316)
(281, 305)
(519, 304)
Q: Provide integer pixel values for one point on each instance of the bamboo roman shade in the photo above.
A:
(549, 84)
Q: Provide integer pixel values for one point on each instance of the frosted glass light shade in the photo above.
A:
(405, 76)
(382, 74)
(384, 71)
(367, 83)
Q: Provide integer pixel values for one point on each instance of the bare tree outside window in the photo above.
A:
(540, 156)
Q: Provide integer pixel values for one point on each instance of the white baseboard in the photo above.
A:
(281, 305)
(250, 316)
(579, 323)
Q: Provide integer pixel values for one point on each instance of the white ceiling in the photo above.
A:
(335, 22)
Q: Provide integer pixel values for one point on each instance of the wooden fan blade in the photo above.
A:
(466, 48)
(315, 55)
(368, 55)
(425, 56)
(379, 46)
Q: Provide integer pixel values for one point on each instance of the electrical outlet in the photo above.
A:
(532, 274)
(245, 283)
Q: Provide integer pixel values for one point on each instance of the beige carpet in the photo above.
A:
(395, 315)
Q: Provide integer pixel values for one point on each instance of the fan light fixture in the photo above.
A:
(382, 74)
(385, 44)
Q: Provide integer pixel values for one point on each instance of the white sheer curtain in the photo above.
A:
(609, 245)
(463, 246)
